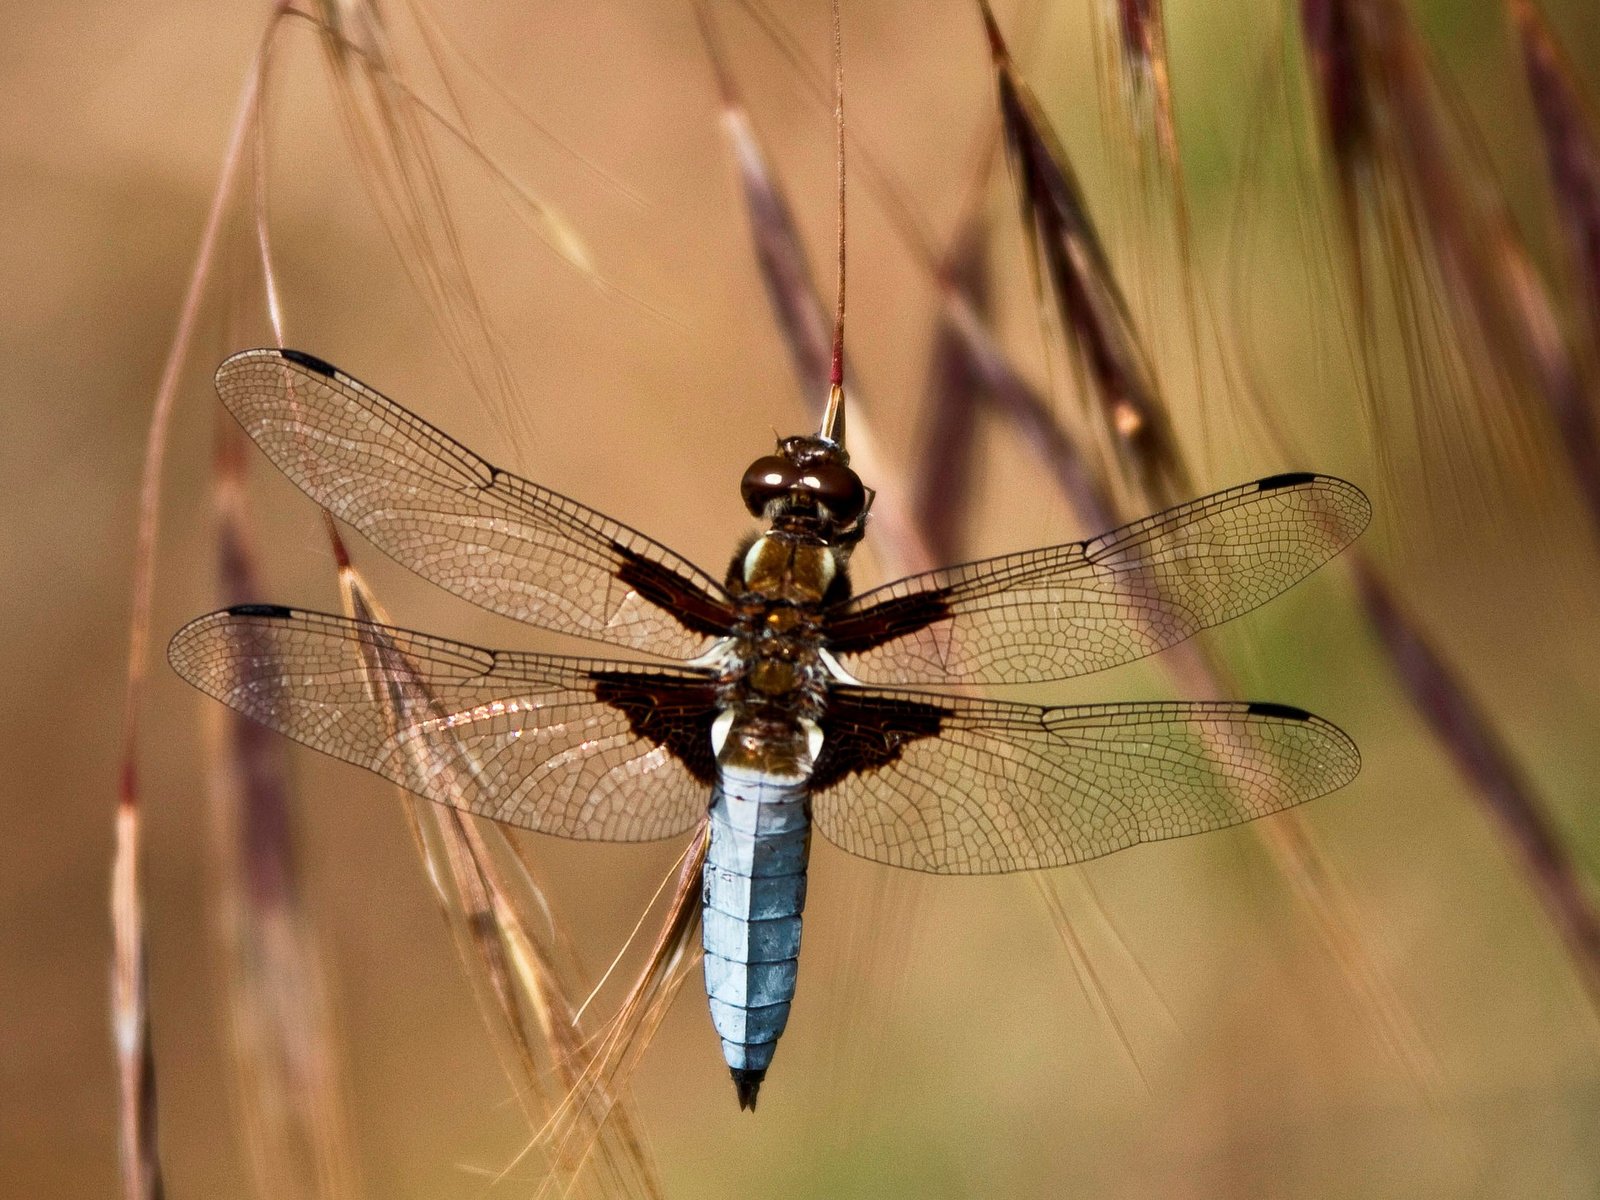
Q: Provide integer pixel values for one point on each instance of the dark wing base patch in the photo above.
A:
(668, 590)
(852, 632)
(864, 732)
(665, 712)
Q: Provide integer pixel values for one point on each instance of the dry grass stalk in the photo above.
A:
(805, 320)
(1142, 29)
(1136, 31)
(138, 1148)
(611, 1058)
(1373, 85)
(1066, 250)
(960, 382)
(1469, 737)
(136, 1107)
(946, 465)
(1031, 414)
(1572, 149)
(1154, 473)
(388, 127)
(283, 1036)
(516, 964)
(1415, 199)
(1478, 751)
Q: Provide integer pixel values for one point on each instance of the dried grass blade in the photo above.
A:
(1153, 470)
(1030, 412)
(1094, 987)
(947, 463)
(1142, 94)
(1065, 249)
(138, 1147)
(130, 1014)
(1142, 26)
(963, 372)
(388, 127)
(1333, 58)
(1494, 373)
(1339, 924)
(283, 1030)
(968, 363)
(438, 39)
(396, 163)
(804, 319)
(1480, 754)
(1468, 736)
(674, 953)
(1571, 145)
(515, 963)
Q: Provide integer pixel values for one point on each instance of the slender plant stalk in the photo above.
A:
(1153, 464)
(1409, 183)
(284, 1039)
(803, 316)
(1384, 129)
(1484, 760)
(1571, 140)
(514, 963)
(140, 1160)
(1066, 250)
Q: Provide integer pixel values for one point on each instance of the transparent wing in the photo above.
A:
(434, 506)
(959, 786)
(1069, 610)
(583, 748)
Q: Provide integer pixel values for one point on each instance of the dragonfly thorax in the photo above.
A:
(782, 566)
(773, 669)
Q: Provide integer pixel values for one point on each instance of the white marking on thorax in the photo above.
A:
(753, 555)
(813, 733)
(830, 568)
(720, 652)
(719, 730)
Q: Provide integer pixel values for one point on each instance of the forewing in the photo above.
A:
(1070, 610)
(583, 748)
(433, 505)
(959, 786)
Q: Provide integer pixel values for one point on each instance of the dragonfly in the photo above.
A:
(775, 700)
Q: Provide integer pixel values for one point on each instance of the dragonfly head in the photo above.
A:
(808, 487)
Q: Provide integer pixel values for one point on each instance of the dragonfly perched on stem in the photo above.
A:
(784, 701)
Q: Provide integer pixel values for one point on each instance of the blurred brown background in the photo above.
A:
(941, 1045)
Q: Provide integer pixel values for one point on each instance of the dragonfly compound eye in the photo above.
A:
(838, 488)
(767, 479)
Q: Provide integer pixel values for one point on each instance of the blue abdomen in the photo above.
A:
(755, 890)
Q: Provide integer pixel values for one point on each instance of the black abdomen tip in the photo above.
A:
(310, 362)
(1288, 479)
(276, 611)
(1284, 712)
(747, 1084)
